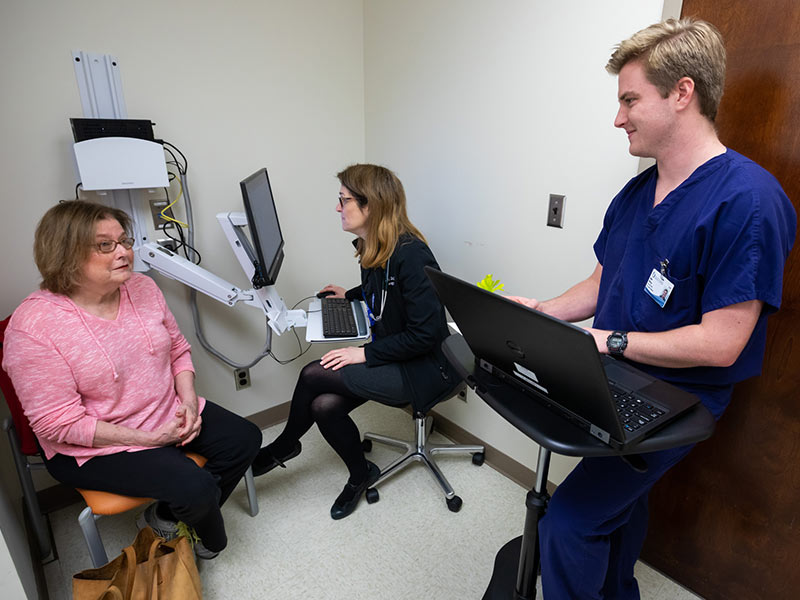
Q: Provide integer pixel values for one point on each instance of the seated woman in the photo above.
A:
(402, 364)
(106, 380)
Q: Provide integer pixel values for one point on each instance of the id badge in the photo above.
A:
(659, 288)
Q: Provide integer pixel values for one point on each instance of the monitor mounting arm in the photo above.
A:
(168, 263)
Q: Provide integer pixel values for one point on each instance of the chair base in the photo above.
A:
(97, 551)
(421, 450)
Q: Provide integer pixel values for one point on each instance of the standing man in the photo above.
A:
(690, 265)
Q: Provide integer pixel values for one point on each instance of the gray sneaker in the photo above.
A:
(203, 552)
(162, 527)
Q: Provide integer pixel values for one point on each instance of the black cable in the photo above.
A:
(178, 243)
(174, 159)
(185, 161)
(77, 197)
(299, 343)
(183, 242)
(186, 246)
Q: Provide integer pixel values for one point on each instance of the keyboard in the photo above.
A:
(339, 320)
(633, 411)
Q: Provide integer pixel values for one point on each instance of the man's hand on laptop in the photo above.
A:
(529, 302)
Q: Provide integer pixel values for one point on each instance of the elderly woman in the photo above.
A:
(402, 364)
(106, 380)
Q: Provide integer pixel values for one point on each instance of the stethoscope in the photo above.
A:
(384, 289)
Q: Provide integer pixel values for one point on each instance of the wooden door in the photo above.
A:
(726, 521)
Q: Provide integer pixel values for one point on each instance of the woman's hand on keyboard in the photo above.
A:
(336, 359)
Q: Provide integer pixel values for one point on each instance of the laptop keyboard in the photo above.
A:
(337, 318)
(633, 412)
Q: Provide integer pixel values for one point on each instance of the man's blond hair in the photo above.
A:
(675, 49)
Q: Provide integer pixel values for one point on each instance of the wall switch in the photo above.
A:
(555, 211)
(242, 377)
(156, 206)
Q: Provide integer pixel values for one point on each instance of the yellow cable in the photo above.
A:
(171, 204)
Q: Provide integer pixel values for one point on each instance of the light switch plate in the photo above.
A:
(555, 211)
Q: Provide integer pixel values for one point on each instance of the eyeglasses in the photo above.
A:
(108, 246)
(344, 200)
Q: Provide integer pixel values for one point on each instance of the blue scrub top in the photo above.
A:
(726, 232)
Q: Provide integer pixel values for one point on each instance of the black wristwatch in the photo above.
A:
(617, 342)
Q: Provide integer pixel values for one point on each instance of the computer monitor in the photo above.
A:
(265, 230)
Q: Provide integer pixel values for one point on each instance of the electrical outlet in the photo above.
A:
(242, 377)
(156, 206)
(555, 211)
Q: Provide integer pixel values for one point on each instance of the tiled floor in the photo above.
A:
(406, 546)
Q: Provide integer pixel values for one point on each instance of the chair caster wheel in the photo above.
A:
(366, 445)
(478, 458)
(454, 503)
(372, 496)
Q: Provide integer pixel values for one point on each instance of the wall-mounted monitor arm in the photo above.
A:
(174, 266)
(171, 265)
(266, 298)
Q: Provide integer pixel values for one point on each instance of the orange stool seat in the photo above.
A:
(108, 503)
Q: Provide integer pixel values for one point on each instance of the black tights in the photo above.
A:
(321, 397)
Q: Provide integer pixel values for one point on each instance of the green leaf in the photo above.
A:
(490, 284)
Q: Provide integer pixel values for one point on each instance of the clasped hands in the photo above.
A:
(183, 428)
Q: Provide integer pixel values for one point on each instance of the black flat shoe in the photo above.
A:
(346, 501)
(265, 461)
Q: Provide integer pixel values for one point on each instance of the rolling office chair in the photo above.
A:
(422, 450)
(26, 458)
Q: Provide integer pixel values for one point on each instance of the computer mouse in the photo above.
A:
(325, 294)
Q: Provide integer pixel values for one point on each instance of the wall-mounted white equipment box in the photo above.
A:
(115, 163)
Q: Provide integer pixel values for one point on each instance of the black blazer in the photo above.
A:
(413, 323)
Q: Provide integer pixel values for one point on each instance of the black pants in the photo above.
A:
(192, 494)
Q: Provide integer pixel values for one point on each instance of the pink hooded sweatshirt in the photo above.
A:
(71, 369)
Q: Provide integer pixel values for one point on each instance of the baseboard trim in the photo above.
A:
(270, 416)
(500, 462)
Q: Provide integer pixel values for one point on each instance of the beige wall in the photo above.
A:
(237, 86)
(484, 109)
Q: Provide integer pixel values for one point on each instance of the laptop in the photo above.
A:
(558, 364)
